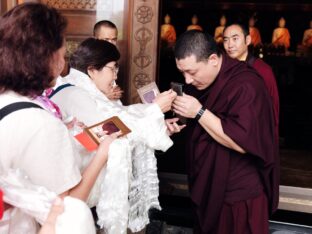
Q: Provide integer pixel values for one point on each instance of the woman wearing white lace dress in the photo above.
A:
(129, 187)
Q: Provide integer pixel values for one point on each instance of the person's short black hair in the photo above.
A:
(102, 23)
(93, 53)
(242, 25)
(30, 34)
(195, 42)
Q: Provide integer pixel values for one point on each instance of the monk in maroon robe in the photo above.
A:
(266, 73)
(231, 150)
(236, 39)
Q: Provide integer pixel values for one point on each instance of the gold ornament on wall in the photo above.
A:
(72, 4)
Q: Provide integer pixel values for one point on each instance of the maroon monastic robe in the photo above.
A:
(219, 175)
(268, 77)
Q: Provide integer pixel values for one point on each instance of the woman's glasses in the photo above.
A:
(114, 69)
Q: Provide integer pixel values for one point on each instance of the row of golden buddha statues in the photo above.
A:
(280, 36)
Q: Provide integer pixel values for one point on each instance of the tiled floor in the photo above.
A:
(296, 168)
(157, 227)
(181, 225)
(283, 228)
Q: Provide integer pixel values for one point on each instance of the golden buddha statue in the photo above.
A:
(307, 36)
(218, 35)
(254, 33)
(281, 35)
(194, 25)
(167, 32)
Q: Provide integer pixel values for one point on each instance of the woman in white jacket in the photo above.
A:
(129, 187)
(32, 140)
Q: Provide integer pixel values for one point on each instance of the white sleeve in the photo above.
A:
(76, 102)
(42, 148)
(148, 124)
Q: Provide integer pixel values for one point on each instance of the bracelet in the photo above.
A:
(199, 114)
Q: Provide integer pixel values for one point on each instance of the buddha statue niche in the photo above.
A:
(281, 36)
(254, 33)
(218, 35)
(307, 36)
(194, 25)
(167, 32)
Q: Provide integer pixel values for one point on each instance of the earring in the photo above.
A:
(60, 67)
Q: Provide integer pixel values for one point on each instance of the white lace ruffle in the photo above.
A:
(143, 193)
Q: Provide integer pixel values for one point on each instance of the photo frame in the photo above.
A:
(148, 92)
(106, 127)
(177, 87)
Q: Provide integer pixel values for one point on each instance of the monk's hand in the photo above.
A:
(173, 126)
(164, 100)
(186, 106)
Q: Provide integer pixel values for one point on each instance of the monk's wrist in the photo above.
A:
(199, 113)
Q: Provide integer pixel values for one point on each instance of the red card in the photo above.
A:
(90, 138)
(86, 141)
(1, 205)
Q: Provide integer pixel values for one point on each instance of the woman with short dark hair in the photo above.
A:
(32, 52)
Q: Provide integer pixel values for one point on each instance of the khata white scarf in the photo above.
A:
(129, 184)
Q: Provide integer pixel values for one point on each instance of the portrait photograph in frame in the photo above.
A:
(114, 124)
(148, 92)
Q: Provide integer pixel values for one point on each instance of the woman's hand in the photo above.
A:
(93, 169)
(164, 100)
(105, 143)
(70, 122)
(57, 208)
(115, 93)
(173, 127)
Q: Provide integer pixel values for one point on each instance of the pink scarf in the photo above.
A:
(48, 104)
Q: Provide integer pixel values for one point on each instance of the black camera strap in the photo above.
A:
(16, 106)
(59, 89)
